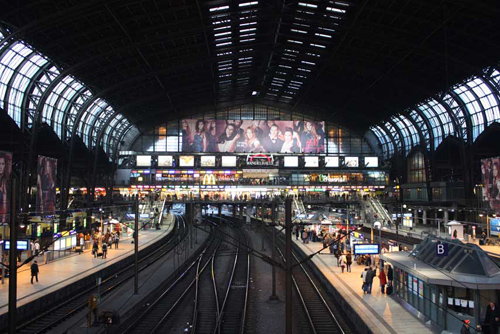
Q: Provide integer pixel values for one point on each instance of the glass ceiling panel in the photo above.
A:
(474, 109)
(392, 130)
(19, 66)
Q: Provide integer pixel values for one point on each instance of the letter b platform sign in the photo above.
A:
(441, 249)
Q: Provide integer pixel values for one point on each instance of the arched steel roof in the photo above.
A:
(465, 111)
(31, 85)
(357, 62)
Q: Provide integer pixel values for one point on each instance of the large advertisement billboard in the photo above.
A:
(251, 136)
(5, 174)
(490, 170)
(46, 184)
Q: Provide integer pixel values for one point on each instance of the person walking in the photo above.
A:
(104, 250)
(383, 280)
(369, 279)
(348, 261)
(492, 317)
(337, 255)
(342, 261)
(364, 275)
(117, 239)
(466, 327)
(95, 248)
(34, 271)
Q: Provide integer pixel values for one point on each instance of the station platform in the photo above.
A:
(67, 270)
(381, 313)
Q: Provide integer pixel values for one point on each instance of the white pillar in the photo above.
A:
(446, 217)
(424, 217)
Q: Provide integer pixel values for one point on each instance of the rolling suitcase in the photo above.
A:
(99, 254)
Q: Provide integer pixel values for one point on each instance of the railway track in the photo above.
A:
(206, 297)
(319, 313)
(48, 320)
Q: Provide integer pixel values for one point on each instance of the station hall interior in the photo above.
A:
(258, 157)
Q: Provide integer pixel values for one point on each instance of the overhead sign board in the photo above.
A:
(441, 249)
(362, 249)
(21, 244)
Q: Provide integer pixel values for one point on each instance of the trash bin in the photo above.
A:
(48, 256)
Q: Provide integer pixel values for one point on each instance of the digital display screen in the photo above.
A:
(21, 244)
(371, 162)
(495, 227)
(228, 161)
(290, 161)
(331, 161)
(207, 161)
(351, 161)
(143, 161)
(165, 161)
(311, 162)
(186, 161)
(361, 249)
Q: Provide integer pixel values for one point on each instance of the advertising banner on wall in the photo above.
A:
(46, 184)
(5, 174)
(490, 169)
(251, 136)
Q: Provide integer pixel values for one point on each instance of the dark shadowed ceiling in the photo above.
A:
(352, 61)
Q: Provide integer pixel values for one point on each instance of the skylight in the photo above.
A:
(223, 33)
(323, 35)
(308, 5)
(223, 44)
(337, 10)
(216, 9)
(246, 4)
(318, 45)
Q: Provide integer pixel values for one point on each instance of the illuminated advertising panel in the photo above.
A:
(143, 161)
(371, 162)
(46, 184)
(331, 162)
(207, 161)
(228, 161)
(311, 162)
(291, 161)
(495, 227)
(5, 170)
(490, 171)
(351, 161)
(252, 136)
(186, 161)
(165, 161)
